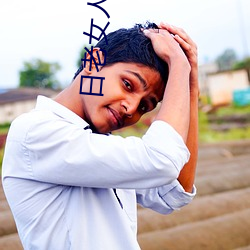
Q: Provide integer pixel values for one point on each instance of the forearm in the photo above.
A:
(187, 174)
(176, 101)
(180, 102)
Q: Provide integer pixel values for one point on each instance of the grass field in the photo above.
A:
(207, 135)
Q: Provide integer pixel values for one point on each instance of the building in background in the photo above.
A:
(14, 102)
(219, 87)
(204, 71)
(222, 85)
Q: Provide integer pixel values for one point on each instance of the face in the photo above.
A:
(129, 91)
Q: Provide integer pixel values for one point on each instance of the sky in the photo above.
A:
(52, 30)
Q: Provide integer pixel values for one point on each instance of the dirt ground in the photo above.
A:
(218, 218)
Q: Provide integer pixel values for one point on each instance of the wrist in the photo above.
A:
(180, 65)
(178, 60)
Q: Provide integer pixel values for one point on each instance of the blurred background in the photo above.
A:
(42, 44)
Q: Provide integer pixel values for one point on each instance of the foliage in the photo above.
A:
(232, 110)
(244, 64)
(226, 60)
(219, 136)
(4, 128)
(205, 99)
(1, 159)
(206, 134)
(38, 73)
(203, 122)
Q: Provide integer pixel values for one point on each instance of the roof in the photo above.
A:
(24, 94)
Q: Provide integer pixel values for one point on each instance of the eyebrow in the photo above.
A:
(140, 78)
(144, 84)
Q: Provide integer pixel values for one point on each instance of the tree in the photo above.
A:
(244, 64)
(38, 73)
(226, 60)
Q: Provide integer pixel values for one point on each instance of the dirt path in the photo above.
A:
(218, 218)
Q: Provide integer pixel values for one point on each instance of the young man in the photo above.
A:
(69, 183)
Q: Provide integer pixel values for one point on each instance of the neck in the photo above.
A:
(71, 99)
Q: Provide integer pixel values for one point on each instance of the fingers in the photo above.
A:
(181, 36)
(152, 32)
(190, 51)
(186, 43)
(148, 33)
(178, 31)
(189, 48)
(165, 46)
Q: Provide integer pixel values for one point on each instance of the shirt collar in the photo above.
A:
(45, 103)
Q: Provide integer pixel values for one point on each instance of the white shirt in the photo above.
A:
(60, 180)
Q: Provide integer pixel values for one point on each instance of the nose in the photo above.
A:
(130, 106)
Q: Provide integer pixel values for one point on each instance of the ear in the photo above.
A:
(90, 65)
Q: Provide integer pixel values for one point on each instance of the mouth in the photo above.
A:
(116, 118)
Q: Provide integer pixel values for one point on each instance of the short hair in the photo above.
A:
(132, 46)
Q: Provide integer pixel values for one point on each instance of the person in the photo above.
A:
(70, 183)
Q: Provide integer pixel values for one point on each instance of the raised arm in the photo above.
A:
(176, 100)
(183, 118)
(187, 174)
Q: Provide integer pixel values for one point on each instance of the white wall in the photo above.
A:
(9, 111)
(222, 85)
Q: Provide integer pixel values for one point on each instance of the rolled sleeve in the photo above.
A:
(165, 199)
(175, 196)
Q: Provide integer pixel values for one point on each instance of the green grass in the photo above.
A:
(4, 128)
(1, 159)
(207, 135)
(231, 110)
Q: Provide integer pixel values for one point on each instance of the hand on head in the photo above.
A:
(174, 44)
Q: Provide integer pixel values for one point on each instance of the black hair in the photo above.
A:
(132, 46)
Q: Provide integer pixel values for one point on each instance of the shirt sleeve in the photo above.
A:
(165, 199)
(62, 153)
